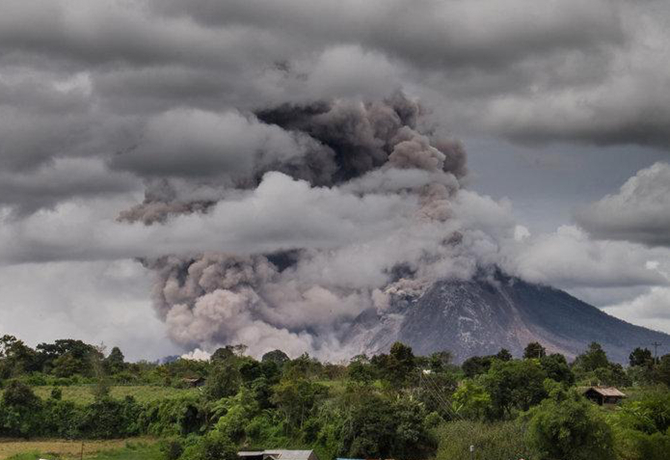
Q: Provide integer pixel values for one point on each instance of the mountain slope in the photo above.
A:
(481, 316)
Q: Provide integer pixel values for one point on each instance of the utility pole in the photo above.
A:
(656, 345)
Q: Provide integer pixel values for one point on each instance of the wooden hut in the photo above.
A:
(604, 395)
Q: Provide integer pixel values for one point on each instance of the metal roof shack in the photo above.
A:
(604, 395)
(278, 454)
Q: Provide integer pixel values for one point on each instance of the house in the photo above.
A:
(194, 382)
(604, 395)
(278, 454)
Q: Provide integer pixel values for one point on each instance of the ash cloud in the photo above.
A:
(360, 153)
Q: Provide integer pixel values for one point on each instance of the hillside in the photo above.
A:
(481, 316)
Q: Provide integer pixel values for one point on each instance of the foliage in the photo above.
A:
(379, 428)
(640, 357)
(514, 385)
(593, 358)
(566, 426)
(476, 365)
(391, 405)
(223, 381)
(556, 367)
(213, 446)
(534, 350)
(276, 356)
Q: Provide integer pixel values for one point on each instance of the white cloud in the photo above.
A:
(639, 212)
(93, 301)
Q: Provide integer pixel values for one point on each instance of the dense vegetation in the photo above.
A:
(394, 405)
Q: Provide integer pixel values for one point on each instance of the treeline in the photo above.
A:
(394, 405)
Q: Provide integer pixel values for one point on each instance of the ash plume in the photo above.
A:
(302, 299)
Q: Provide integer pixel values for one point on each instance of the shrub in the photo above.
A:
(566, 426)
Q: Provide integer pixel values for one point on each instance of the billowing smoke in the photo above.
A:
(302, 299)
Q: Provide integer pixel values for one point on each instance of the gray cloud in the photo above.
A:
(639, 212)
(257, 128)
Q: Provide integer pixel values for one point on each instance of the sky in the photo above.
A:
(140, 140)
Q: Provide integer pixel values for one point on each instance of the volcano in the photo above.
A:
(483, 315)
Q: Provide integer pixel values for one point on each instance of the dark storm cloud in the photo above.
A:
(65, 179)
(428, 32)
(254, 127)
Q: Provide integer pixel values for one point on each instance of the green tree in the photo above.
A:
(661, 372)
(593, 358)
(566, 426)
(534, 350)
(19, 411)
(401, 364)
(514, 385)
(640, 357)
(557, 368)
(275, 356)
(472, 401)
(223, 380)
(476, 365)
(115, 362)
(16, 357)
(360, 370)
(504, 355)
(440, 360)
(295, 398)
(375, 427)
(102, 387)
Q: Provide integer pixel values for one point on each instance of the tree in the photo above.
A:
(276, 356)
(77, 362)
(504, 355)
(401, 364)
(295, 398)
(534, 350)
(15, 357)
(222, 381)
(360, 371)
(662, 370)
(557, 368)
(476, 365)
(593, 358)
(101, 387)
(19, 412)
(440, 360)
(640, 357)
(375, 427)
(115, 362)
(472, 401)
(514, 385)
(222, 354)
(566, 426)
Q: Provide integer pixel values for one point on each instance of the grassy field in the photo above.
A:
(82, 394)
(116, 449)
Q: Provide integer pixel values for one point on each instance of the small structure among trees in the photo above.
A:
(193, 382)
(278, 454)
(604, 395)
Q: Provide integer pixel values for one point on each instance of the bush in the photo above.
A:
(566, 426)
(213, 446)
(110, 418)
(19, 411)
(172, 448)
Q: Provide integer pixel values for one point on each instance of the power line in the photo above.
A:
(436, 392)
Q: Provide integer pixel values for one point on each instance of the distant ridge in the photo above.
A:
(480, 316)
